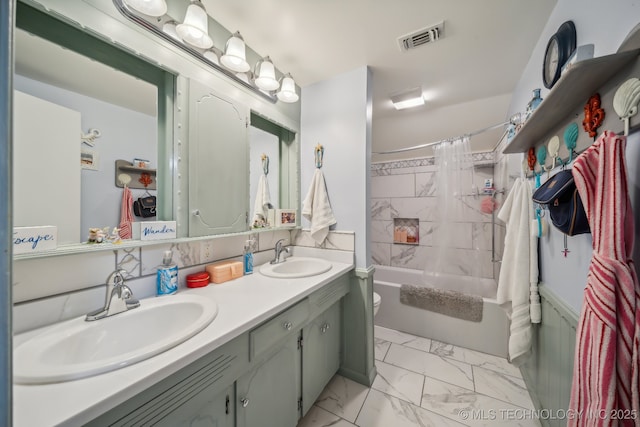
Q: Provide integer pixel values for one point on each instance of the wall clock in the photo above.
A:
(559, 48)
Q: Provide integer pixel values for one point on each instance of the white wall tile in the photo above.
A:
(393, 186)
(381, 253)
(267, 239)
(425, 184)
(423, 208)
(381, 209)
(42, 277)
(382, 231)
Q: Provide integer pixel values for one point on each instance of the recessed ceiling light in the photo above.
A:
(407, 98)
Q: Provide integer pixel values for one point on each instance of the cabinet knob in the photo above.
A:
(245, 402)
(287, 325)
(196, 212)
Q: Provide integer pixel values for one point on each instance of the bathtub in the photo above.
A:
(488, 336)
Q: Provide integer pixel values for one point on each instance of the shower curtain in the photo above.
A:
(452, 251)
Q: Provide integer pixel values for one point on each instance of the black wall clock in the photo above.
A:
(560, 47)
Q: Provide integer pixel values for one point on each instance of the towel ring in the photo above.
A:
(319, 154)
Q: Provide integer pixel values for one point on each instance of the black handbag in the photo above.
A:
(560, 195)
(145, 207)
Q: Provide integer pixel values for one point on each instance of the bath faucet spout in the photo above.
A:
(119, 298)
(278, 251)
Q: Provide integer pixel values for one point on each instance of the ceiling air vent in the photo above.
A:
(420, 37)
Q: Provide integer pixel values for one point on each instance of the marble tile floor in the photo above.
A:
(423, 382)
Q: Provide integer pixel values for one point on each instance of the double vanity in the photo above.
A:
(255, 351)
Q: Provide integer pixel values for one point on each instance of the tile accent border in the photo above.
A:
(486, 158)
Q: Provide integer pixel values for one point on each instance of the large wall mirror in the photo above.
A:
(132, 104)
(69, 85)
(272, 166)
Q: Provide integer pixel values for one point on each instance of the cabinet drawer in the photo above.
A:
(285, 323)
(325, 297)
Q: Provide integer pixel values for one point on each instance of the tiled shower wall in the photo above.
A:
(407, 189)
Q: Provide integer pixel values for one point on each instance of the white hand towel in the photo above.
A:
(317, 209)
(263, 200)
(518, 281)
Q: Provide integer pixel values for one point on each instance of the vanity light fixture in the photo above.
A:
(148, 7)
(287, 91)
(212, 55)
(170, 28)
(195, 27)
(408, 98)
(265, 75)
(192, 37)
(234, 57)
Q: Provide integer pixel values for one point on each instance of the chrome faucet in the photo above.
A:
(279, 250)
(119, 298)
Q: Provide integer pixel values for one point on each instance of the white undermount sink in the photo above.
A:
(76, 349)
(295, 267)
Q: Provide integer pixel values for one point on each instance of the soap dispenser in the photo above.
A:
(167, 278)
(247, 258)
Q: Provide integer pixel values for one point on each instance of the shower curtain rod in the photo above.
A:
(417, 147)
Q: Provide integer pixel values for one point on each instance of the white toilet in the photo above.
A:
(376, 303)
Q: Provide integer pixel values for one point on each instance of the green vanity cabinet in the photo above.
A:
(269, 376)
(205, 409)
(267, 396)
(196, 392)
(320, 354)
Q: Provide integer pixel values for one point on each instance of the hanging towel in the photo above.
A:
(263, 200)
(126, 216)
(606, 372)
(518, 281)
(317, 209)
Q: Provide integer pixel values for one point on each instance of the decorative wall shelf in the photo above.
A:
(135, 173)
(571, 91)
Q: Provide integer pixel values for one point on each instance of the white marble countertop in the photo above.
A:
(242, 304)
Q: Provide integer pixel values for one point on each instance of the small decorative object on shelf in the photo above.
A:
(515, 123)
(533, 104)
(593, 115)
(580, 54)
(141, 163)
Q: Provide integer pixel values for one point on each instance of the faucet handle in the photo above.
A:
(117, 277)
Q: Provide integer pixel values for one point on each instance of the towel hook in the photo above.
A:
(265, 163)
(319, 154)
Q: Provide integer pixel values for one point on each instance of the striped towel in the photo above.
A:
(126, 217)
(606, 377)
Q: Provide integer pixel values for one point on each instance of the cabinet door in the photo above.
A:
(203, 410)
(320, 354)
(267, 396)
(218, 163)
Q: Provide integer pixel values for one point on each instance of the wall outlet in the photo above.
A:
(206, 251)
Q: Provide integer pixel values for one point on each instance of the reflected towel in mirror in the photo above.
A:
(263, 202)
(317, 209)
(126, 216)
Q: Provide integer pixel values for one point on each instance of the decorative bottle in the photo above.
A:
(533, 104)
